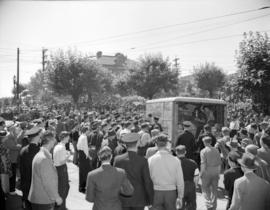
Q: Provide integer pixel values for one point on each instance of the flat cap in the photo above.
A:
(130, 137)
(33, 131)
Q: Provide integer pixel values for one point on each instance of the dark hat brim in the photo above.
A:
(240, 161)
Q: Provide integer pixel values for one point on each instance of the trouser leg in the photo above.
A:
(206, 191)
(170, 200)
(12, 179)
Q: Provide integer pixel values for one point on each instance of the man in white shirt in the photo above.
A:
(144, 140)
(60, 158)
(167, 176)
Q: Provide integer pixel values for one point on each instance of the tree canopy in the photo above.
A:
(152, 75)
(71, 73)
(209, 77)
(253, 60)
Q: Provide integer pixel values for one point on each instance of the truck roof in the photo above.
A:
(188, 99)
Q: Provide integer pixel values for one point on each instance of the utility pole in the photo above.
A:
(43, 59)
(18, 79)
(176, 62)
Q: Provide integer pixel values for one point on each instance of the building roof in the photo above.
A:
(106, 60)
(188, 99)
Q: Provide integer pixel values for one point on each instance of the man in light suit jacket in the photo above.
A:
(137, 170)
(250, 191)
(106, 183)
(43, 192)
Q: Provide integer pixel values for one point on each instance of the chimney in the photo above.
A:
(99, 54)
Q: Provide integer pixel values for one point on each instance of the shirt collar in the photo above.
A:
(164, 151)
(105, 164)
(47, 152)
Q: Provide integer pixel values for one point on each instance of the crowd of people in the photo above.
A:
(126, 161)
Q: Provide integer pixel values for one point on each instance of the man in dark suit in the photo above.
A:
(187, 139)
(232, 174)
(137, 170)
(95, 139)
(250, 191)
(25, 163)
(191, 178)
(106, 183)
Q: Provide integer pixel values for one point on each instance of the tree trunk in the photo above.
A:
(75, 98)
(211, 93)
(90, 100)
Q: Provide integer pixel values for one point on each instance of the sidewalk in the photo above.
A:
(76, 200)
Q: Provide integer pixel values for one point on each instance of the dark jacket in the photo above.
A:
(25, 159)
(188, 140)
(104, 186)
(230, 176)
(138, 173)
(200, 144)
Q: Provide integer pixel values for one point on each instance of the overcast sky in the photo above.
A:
(131, 27)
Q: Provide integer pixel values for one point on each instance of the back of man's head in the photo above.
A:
(161, 140)
(47, 137)
(105, 153)
(266, 141)
(180, 150)
(207, 140)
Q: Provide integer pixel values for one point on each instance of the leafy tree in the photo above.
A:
(209, 77)
(253, 60)
(71, 73)
(36, 84)
(120, 59)
(21, 88)
(152, 76)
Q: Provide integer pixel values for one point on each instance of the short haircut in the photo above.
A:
(266, 140)
(84, 129)
(207, 127)
(180, 150)
(207, 139)
(46, 137)
(64, 134)
(105, 153)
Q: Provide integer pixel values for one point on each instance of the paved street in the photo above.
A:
(76, 200)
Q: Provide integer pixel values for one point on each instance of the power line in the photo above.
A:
(198, 41)
(198, 32)
(167, 26)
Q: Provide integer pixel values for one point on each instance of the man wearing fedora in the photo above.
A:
(250, 191)
(137, 171)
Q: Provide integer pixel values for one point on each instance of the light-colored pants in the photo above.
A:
(210, 187)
